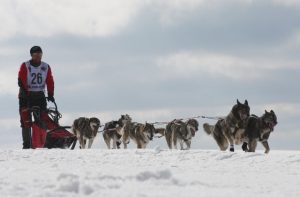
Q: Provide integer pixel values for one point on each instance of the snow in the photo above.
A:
(151, 172)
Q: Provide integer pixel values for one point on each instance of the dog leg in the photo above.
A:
(175, 142)
(115, 142)
(83, 144)
(90, 142)
(139, 145)
(168, 139)
(144, 146)
(188, 144)
(108, 143)
(230, 138)
(125, 139)
(107, 140)
(252, 145)
(266, 145)
(245, 147)
(174, 139)
(231, 142)
(80, 146)
(220, 139)
(181, 145)
(119, 142)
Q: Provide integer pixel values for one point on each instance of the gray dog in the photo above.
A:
(231, 129)
(86, 129)
(141, 134)
(259, 129)
(177, 130)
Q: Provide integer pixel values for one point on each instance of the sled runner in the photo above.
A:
(46, 131)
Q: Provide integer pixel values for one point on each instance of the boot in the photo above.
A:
(26, 134)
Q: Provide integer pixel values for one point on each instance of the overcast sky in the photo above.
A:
(157, 60)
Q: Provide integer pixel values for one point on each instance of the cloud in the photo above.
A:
(77, 17)
(292, 44)
(8, 82)
(288, 3)
(191, 63)
(93, 17)
(173, 12)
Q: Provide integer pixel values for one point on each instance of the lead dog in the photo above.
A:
(177, 130)
(116, 131)
(259, 129)
(231, 129)
(86, 129)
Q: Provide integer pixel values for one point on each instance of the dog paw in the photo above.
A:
(267, 151)
(118, 145)
(245, 147)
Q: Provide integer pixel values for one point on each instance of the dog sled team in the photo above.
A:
(237, 128)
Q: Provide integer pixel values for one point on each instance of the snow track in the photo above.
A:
(152, 172)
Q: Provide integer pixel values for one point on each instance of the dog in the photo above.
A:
(141, 134)
(259, 129)
(231, 129)
(116, 131)
(85, 129)
(177, 130)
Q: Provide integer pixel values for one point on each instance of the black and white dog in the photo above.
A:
(259, 129)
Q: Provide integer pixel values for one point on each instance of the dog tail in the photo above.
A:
(208, 128)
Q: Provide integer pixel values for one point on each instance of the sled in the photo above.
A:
(47, 132)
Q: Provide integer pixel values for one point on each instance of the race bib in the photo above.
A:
(36, 76)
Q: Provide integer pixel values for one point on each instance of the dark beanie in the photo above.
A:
(35, 49)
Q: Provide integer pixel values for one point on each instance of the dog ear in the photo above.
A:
(237, 101)
(266, 111)
(246, 102)
(272, 112)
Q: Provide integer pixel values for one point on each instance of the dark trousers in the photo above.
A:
(25, 105)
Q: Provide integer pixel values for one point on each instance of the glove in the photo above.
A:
(51, 98)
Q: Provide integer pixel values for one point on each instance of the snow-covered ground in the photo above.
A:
(151, 172)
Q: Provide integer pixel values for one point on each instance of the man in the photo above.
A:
(34, 76)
